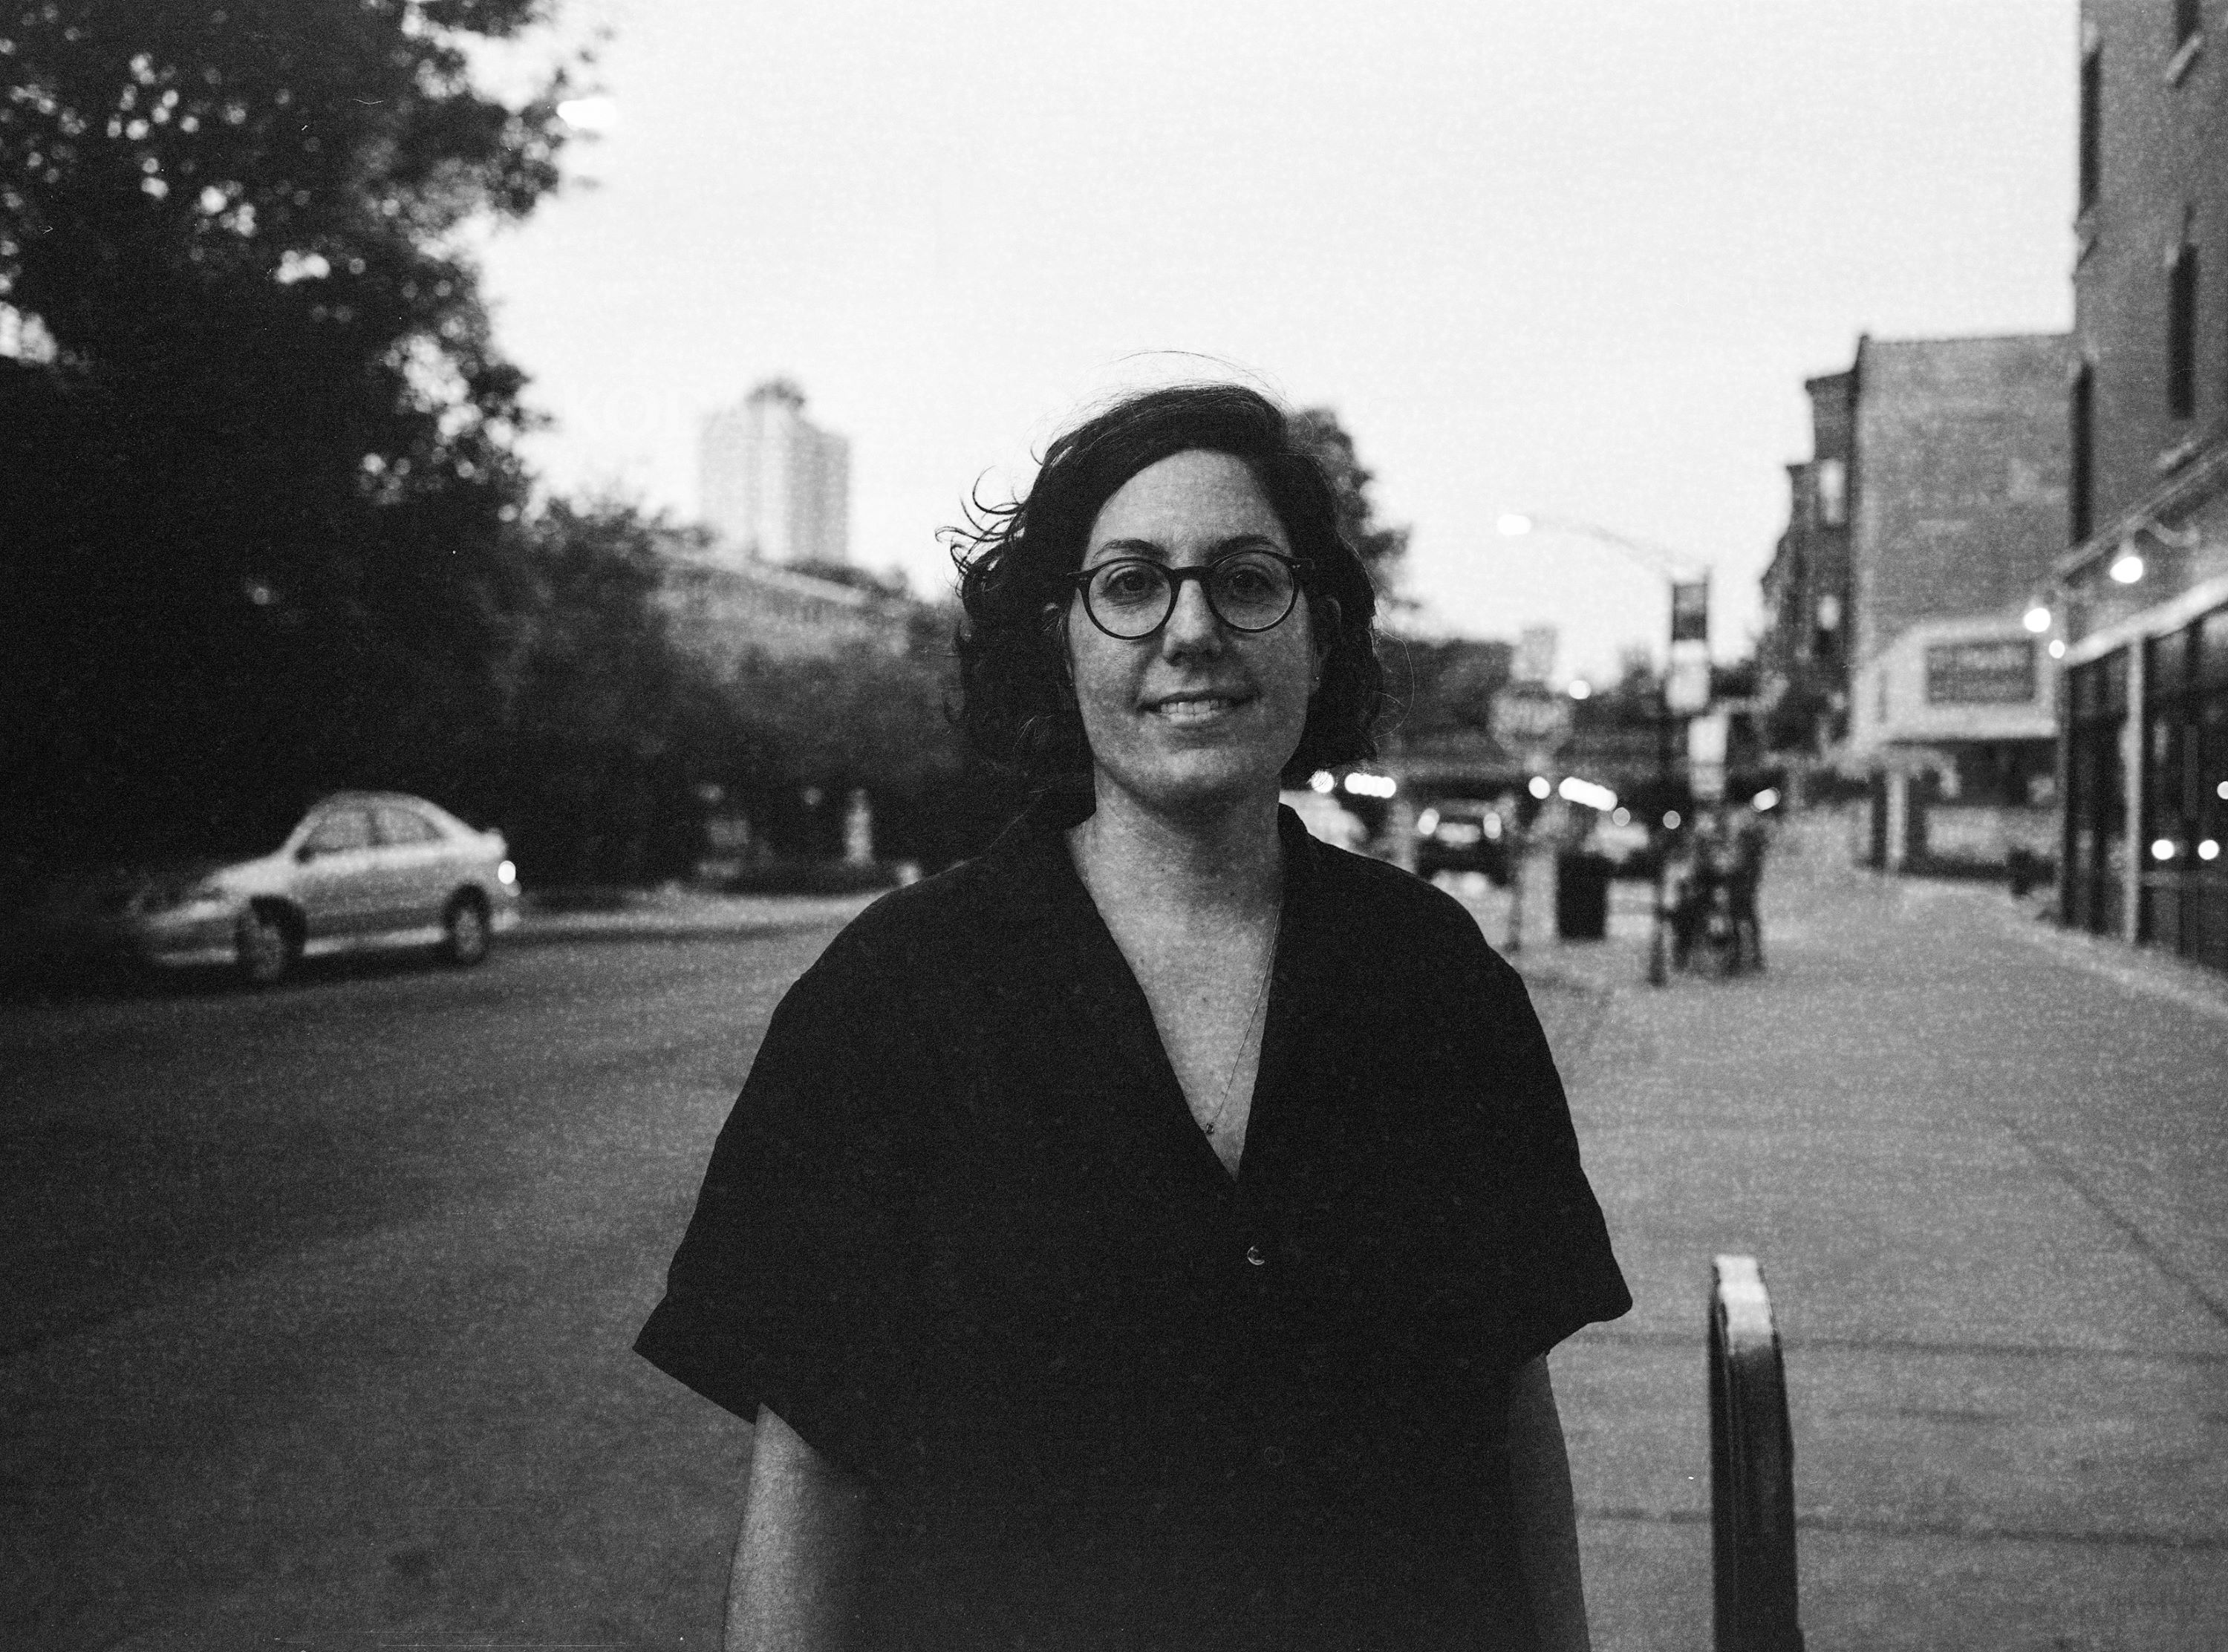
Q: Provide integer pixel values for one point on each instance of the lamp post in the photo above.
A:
(1686, 671)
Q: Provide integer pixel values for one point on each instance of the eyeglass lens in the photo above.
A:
(1247, 592)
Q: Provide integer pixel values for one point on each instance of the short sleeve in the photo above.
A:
(792, 1286)
(1561, 1273)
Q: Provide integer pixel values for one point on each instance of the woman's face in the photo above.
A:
(1196, 716)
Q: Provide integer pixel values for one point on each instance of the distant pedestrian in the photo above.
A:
(1149, 1234)
(1751, 840)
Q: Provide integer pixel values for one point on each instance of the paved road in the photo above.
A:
(319, 1338)
(317, 1303)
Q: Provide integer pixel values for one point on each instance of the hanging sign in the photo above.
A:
(1690, 611)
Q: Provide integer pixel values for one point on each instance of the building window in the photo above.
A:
(1831, 478)
(2081, 501)
(2181, 333)
(2092, 86)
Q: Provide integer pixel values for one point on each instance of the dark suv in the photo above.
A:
(1461, 835)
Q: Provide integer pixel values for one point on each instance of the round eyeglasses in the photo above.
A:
(1248, 591)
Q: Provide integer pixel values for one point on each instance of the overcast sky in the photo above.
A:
(1569, 259)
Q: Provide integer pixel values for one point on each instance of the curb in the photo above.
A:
(771, 917)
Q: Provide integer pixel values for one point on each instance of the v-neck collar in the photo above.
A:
(1072, 944)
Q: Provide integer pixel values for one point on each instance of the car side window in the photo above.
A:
(338, 831)
(406, 826)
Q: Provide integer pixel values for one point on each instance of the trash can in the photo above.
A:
(1581, 895)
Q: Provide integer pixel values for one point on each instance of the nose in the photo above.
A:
(1191, 624)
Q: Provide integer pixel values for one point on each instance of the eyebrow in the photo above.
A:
(1153, 551)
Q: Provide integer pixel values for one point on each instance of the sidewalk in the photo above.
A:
(1979, 1163)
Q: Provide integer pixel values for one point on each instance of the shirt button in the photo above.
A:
(1254, 1255)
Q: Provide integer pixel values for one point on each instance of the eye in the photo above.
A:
(1127, 582)
(1251, 578)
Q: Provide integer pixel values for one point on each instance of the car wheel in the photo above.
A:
(263, 950)
(465, 933)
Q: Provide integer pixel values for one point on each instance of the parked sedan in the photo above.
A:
(359, 870)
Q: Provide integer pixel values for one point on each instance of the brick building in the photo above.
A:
(2138, 606)
(1956, 493)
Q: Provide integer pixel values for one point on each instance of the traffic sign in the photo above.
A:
(1531, 716)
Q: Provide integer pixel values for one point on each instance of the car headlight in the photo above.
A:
(169, 897)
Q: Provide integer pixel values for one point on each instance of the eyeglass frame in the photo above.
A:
(1203, 572)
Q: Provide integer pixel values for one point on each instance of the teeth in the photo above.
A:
(1212, 704)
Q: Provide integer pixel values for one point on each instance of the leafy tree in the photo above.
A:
(1381, 546)
(259, 524)
(590, 772)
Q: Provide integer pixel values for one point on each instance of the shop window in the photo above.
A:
(2095, 846)
(1831, 477)
(2181, 333)
(2185, 826)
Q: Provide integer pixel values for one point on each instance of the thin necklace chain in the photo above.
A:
(1213, 1120)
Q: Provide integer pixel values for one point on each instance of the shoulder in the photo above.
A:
(1377, 905)
(923, 931)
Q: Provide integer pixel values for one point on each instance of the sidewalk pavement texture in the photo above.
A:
(1980, 1161)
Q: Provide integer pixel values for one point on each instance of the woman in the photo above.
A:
(1149, 1234)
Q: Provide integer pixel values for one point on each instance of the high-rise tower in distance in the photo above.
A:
(774, 487)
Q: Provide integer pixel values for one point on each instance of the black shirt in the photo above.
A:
(963, 1235)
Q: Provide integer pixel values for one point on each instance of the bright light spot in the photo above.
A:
(507, 873)
(1539, 787)
(1361, 785)
(213, 200)
(2162, 849)
(154, 186)
(2058, 647)
(259, 593)
(2129, 568)
(302, 266)
(2209, 850)
(597, 114)
(1670, 819)
(1513, 524)
(1321, 780)
(1427, 823)
(2221, 791)
(1581, 689)
(2037, 620)
(1767, 799)
(1574, 790)
(1621, 816)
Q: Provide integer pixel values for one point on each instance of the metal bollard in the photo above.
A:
(1751, 1468)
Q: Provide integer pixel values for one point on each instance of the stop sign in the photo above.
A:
(1531, 715)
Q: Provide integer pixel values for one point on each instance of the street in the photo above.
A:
(320, 1337)
(319, 1302)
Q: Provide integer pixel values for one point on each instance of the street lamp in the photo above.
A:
(1688, 584)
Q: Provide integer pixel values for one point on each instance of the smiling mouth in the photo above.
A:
(1197, 708)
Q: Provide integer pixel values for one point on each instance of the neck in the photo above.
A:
(1225, 860)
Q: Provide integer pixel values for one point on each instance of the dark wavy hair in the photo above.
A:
(1016, 563)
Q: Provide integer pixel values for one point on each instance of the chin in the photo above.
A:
(1206, 782)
